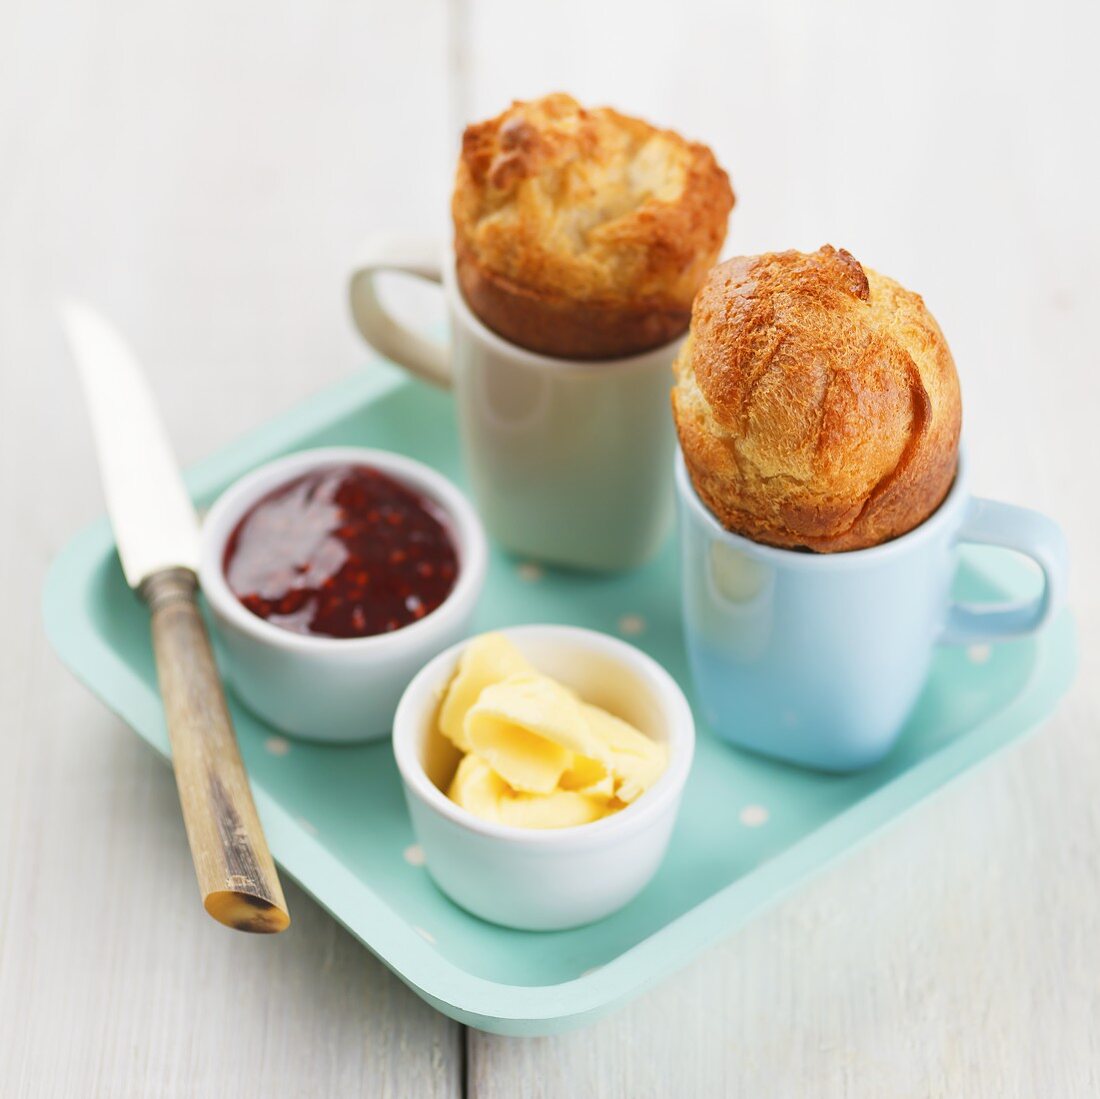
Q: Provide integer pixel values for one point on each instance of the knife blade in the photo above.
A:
(157, 532)
(154, 521)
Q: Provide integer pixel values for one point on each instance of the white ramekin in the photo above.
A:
(535, 879)
(324, 688)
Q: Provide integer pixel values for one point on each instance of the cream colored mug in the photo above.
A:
(570, 462)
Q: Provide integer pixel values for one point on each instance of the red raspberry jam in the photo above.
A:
(343, 551)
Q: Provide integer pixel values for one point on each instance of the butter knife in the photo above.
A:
(157, 532)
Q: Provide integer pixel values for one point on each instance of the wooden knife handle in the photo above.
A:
(237, 876)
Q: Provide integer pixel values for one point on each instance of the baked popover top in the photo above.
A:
(585, 233)
(816, 401)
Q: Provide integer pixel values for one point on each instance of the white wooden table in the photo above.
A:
(203, 173)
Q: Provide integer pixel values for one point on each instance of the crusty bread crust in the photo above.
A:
(584, 234)
(817, 402)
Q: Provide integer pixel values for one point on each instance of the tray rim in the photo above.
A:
(478, 1001)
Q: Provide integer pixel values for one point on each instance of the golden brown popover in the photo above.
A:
(816, 401)
(584, 234)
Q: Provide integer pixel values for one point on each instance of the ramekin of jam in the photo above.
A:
(333, 576)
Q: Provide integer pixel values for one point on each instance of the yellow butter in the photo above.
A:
(558, 809)
(477, 788)
(635, 761)
(587, 775)
(487, 659)
(529, 728)
(537, 756)
(481, 791)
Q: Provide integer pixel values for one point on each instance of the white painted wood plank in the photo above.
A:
(115, 982)
(957, 954)
(203, 174)
(954, 956)
(205, 180)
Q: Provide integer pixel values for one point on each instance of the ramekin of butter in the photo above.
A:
(543, 770)
(333, 575)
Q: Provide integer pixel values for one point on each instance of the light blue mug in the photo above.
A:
(819, 658)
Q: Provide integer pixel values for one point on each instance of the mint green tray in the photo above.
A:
(749, 830)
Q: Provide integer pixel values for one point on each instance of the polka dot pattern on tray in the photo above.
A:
(753, 816)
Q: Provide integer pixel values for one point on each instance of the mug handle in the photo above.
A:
(991, 523)
(428, 359)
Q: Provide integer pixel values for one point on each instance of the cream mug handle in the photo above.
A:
(428, 359)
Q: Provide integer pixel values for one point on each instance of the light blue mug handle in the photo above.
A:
(991, 523)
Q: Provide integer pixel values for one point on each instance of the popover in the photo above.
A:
(816, 401)
(584, 234)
